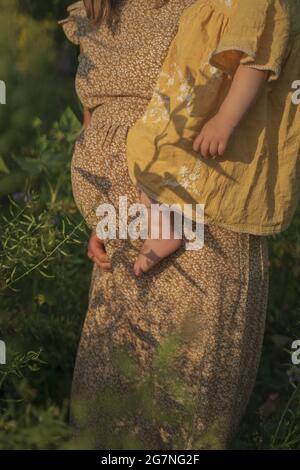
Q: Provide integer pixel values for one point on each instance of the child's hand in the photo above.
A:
(214, 137)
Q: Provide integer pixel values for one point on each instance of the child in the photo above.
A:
(225, 92)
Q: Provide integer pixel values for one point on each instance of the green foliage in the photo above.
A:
(36, 82)
(46, 165)
(45, 9)
(43, 293)
(35, 427)
(273, 417)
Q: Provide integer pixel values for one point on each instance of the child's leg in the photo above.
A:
(154, 250)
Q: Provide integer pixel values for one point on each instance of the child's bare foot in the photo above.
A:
(155, 249)
(153, 252)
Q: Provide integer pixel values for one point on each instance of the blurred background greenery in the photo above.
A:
(44, 275)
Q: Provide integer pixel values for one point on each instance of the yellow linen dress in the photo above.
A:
(254, 187)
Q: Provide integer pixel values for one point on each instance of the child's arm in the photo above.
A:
(215, 134)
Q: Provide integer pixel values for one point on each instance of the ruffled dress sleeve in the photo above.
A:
(75, 25)
(257, 35)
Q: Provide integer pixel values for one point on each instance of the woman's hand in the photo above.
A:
(97, 253)
(214, 137)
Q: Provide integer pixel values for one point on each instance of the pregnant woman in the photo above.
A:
(167, 360)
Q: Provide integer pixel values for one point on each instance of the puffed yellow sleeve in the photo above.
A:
(75, 24)
(257, 35)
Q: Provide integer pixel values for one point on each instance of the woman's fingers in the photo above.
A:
(97, 253)
(105, 267)
(101, 261)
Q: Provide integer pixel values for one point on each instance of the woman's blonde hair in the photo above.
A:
(99, 11)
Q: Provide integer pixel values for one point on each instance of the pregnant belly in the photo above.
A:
(99, 168)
